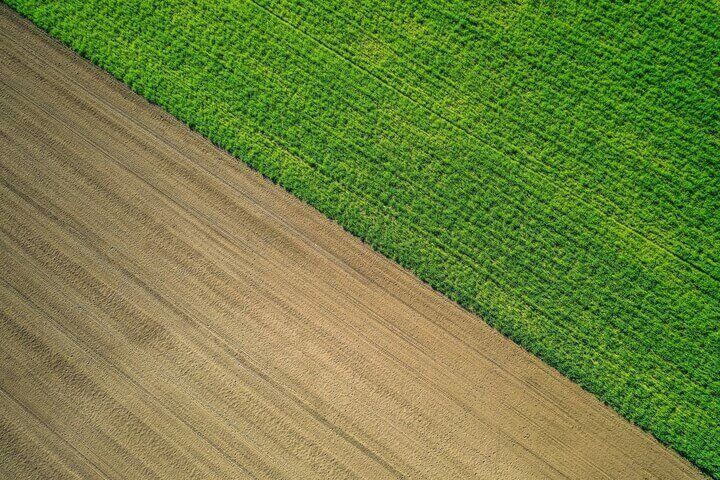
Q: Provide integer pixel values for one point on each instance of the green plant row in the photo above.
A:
(639, 141)
(553, 170)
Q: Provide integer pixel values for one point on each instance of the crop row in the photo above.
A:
(600, 114)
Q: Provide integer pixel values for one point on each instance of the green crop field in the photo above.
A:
(552, 166)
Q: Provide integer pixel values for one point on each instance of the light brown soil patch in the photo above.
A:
(168, 312)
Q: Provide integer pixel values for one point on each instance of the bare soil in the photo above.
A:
(167, 312)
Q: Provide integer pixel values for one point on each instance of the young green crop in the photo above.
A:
(554, 169)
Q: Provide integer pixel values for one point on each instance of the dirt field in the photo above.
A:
(167, 312)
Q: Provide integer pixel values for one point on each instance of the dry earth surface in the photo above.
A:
(167, 312)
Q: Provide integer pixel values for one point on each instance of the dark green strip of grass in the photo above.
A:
(554, 169)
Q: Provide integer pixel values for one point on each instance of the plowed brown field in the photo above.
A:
(168, 312)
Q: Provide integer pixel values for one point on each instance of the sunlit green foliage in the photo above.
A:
(552, 166)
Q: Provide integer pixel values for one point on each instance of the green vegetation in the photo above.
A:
(552, 167)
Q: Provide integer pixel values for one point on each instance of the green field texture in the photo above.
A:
(551, 166)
